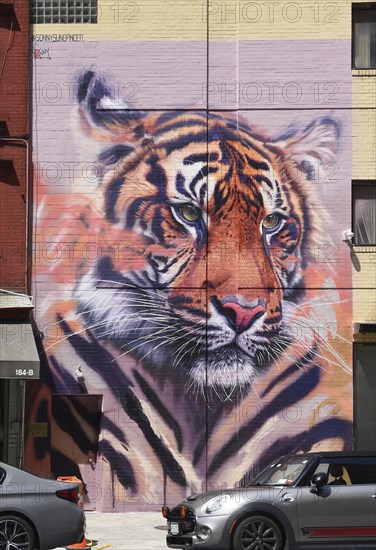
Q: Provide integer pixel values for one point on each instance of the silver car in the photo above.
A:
(320, 500)
(38, 513)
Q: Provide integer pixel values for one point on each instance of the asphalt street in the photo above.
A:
(128, 531)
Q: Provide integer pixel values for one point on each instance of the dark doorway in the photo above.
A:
(365, 396)
(3, 420)
(74, 440)
(11, 421)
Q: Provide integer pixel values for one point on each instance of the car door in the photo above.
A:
(341, 513)
(286, 501)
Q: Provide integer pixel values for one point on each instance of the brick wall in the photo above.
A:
(14, 36)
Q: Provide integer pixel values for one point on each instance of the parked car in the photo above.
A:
(318, 500)
(38, 513)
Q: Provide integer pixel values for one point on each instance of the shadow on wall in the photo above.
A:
(8, 173)
(8, 19)
(355, 261)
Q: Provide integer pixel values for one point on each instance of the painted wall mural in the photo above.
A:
(189, 263)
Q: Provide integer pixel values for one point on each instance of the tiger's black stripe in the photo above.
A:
(306, 383)
(96, 356)
(160, 408)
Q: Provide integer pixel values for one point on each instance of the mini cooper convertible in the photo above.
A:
(320, 500)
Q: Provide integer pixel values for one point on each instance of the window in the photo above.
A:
(364, 36)
(283, 472)
(365, 396)
(364, 212)
(357, 470)
(64, 11)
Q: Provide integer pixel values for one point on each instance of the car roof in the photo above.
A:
(335, 454)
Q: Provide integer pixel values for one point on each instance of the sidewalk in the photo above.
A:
(128, 531)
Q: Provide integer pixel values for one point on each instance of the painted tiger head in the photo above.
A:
(226, 221)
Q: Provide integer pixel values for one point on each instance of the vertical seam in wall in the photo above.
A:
(207, 243)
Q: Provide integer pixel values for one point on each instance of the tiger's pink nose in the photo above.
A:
(242, 316)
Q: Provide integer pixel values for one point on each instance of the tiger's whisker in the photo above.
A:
(143, 343)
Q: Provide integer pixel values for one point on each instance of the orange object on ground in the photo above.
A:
(82, 545)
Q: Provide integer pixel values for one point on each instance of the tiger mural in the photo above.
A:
(213, 330)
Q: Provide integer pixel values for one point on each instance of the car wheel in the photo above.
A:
(257, 533)
(16, 534)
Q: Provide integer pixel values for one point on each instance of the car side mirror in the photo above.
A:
(318, 481)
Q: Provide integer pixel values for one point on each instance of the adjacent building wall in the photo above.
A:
(14, 188)
(364, 168)
(14, 121)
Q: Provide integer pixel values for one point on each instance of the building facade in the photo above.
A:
(203, 241)
(363, 253)
(18, 356)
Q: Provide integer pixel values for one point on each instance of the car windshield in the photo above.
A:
(284, 471)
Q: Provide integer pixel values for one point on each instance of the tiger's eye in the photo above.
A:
(190, 212)
(271, 221)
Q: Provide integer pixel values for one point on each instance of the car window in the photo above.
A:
(349, 470)
(284, 471)
(362, 473)
(2, 475)
(337, 473)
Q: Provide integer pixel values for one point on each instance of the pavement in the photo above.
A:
(126, 531)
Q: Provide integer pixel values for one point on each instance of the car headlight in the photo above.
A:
(217, 503)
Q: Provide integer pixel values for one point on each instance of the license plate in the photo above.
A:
(174, 528)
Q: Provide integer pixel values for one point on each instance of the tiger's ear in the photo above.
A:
(102, 116)
(316, 144)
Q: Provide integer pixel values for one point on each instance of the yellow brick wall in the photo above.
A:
(363, 142)
(364, 298)
(141, 20)
(229, 20)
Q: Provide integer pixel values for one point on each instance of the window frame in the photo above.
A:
(34, 15)
(355, 6)
(355, 183)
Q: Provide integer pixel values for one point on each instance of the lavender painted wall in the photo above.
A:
(182, 410)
